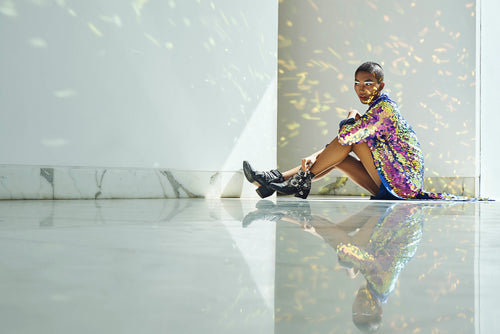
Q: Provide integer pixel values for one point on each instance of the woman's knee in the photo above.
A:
(360, 147)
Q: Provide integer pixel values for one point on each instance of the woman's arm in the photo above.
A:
(310, 160)
(374, 123)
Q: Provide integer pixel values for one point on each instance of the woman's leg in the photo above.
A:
(365, 156)
(300, 183)
(337, 156)
(356, 171)
(325, 162)
(353, 169)
(291, 172)
(362, 171)
(331, 156)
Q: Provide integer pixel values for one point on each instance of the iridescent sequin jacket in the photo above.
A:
(395, 149)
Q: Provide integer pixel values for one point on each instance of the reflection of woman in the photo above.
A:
(393, 242)
(376, 242)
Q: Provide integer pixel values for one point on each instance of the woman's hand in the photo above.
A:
(308, 162)
(354, 114)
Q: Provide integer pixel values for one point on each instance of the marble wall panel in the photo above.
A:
(26, 182)
(40, 182)
(37, 182)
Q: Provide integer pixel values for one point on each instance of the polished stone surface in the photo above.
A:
(57, 182)
(43, 182)
(247, 266)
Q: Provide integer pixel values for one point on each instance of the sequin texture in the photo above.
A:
(395, 149)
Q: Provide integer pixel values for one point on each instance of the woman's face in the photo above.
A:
(367, 87)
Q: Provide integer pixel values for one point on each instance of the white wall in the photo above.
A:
(187, 85)
(490, 118)
(488, 232)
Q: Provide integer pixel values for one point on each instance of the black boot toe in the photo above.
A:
(262, 178)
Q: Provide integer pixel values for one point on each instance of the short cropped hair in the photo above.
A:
(372, 67)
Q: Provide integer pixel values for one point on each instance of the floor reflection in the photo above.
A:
(371, 244)
(321, 265)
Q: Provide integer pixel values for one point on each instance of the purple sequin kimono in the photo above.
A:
(395, 149)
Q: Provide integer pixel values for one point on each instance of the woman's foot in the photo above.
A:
(298, 185)
(262, 178)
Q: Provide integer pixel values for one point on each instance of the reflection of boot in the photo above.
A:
(299, 185)
(263, 178)
(266, 210)
(299, 211)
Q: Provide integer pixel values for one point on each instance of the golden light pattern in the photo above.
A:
(95, 30)
(428, 54)
(138, 5)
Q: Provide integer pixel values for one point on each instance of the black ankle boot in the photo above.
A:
(263, 178)
(299, 184)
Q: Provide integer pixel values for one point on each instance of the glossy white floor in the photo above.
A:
(324, 265)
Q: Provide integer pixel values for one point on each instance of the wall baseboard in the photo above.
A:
(42, 182)
(342, 186)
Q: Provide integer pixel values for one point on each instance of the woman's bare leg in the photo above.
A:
(365, 156)
(324, 173)
(291, 172)
(351, 167)
(356, 171)
(331, 156)
(362, 172)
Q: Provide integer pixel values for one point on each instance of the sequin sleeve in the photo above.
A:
(378, 120)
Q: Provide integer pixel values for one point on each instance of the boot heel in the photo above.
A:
(264, 191)
(302, 195)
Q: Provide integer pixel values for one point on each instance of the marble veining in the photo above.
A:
(176, 186)
(42, 182)
(98, 180)
(4, 189)
(48, 174)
